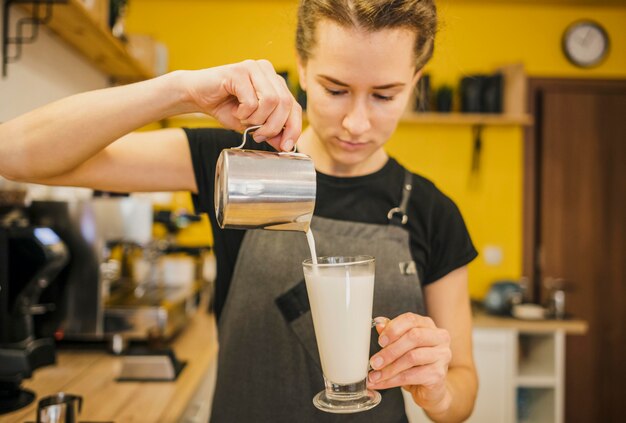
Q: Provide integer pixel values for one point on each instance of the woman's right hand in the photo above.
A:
(245, 94)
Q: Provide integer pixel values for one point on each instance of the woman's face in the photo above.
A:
(357, 85)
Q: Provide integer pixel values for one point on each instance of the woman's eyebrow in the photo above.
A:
(333, 80)
(378, 87)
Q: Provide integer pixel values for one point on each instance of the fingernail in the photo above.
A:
(377, 363)
(374, 376)
(288, 145)
(383, 341)
(259, 138)
(380, 321)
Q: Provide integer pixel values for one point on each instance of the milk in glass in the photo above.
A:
(341, 305)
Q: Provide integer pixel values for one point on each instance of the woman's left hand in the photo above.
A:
(415, 355)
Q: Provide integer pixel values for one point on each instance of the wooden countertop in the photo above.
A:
(570, 326)
(92, 375)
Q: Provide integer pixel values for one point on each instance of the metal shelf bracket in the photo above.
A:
(26, 28)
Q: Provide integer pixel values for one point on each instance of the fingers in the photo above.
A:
(240, 85)
(291, 131)
(397, 327)
(275, 107)
(409, 341)
(266, 93)
(380, 323)
(242, 95)
(428, 375)
(424, 357)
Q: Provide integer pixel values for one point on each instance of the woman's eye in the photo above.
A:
(383, 97)
(334, 92)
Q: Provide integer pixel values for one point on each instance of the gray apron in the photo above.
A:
(268, 365)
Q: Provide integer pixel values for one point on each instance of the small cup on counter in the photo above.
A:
(59, 408)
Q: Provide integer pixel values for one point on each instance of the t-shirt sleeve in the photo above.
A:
(451, 246)
(205, 146)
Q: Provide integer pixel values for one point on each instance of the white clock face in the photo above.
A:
(585, 44)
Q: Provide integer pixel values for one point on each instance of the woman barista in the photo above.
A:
(358, 61)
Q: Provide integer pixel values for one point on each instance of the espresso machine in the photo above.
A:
(31, 257)
(102, 297)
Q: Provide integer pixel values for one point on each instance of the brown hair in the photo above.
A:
(372, 15)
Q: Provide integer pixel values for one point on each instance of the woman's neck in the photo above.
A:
(311, 145)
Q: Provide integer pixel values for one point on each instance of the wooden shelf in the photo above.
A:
(429, 118)
(75, 25)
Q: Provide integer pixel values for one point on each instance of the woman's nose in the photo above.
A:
(357, 120)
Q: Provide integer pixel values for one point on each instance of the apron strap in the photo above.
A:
(397, 215)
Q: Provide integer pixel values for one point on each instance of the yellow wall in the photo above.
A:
(475, 36)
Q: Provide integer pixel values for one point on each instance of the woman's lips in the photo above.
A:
(351, 145)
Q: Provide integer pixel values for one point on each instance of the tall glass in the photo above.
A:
(341, 291)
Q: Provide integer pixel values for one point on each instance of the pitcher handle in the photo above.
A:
(252, 129)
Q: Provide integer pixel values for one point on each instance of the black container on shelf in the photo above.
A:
(491, 98)
(481, 94)
(471, 91)
(443, 99)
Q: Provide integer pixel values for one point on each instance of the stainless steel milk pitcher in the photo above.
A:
(264, 190)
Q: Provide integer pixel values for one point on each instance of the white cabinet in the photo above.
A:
(521, 375)
(494, 354)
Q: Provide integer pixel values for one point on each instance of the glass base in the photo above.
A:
(344, 399)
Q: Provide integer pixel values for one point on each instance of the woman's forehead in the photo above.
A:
(388, 52)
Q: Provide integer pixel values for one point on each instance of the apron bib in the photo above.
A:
(268, 364)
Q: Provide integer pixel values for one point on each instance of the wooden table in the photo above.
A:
(92, 375)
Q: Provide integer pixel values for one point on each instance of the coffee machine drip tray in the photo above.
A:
(147, 313)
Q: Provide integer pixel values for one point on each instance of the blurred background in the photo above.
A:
(522, 134)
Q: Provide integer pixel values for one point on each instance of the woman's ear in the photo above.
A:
(302, 73)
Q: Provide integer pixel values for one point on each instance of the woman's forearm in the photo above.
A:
(58, 137)
(462, 386)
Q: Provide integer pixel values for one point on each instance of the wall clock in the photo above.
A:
(585, 43)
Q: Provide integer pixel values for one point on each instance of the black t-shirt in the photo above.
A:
(439, 240)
